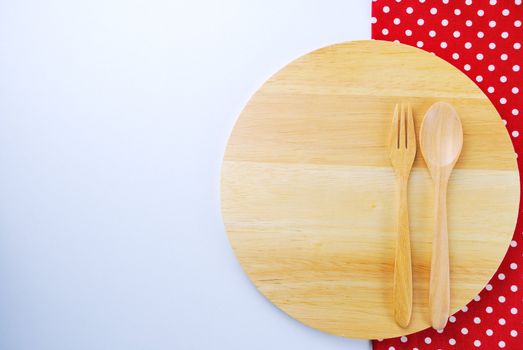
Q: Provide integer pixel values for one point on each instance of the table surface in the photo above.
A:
(114, 117)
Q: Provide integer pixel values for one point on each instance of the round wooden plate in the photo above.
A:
(309, 198)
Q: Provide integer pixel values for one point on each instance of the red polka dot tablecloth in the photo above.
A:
(483, 39)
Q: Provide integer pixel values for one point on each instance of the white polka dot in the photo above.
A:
(443, 45)
(488, 309)
(457, 12)
(452, 319)
(444, 22)
(477, 298)
(505, 12)
(465, 308)
(491, 67)
(503, 56)
(468, 2)
(392, 348)
(396, 21)
(493, 2)
(403, 339)
(468, 23)
(517, 46)
(481, 13)
(514, 288)
(408, 32)
(477, 320)
(409, 10)
(468, 45)
(452, 341)
(515, 90)
(502, 321)
(433, 11)
(373, 20)
(477, 343)
(504, 35)
(503, 100)
(517, 23)
(456, 34)
(420, 22)
(479, 56)
(501, 276)
(479, 78)
(455, 55)
(502, 299)
(489, 332)
(503, 79)
(419, 44)
(464, 330)
(386, 9)
(513, 265)
(501, 344)
(515, 68)
(432, 33)
(514, 243)
(466, 67)
(492, 24)
(481, 35)
(517, 2)
(514, 333)
(490, 90)
(385, 31)
(515, 133)
(492, 46)
(439, 331)
(513, 311)
(428, 340)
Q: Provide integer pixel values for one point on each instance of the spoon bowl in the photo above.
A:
(441, 136)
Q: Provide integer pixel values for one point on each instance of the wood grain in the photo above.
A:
(309, 198)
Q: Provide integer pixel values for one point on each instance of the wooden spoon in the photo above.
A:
(441, 140)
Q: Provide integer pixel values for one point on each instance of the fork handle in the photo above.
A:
(439, 291)
(402, 288)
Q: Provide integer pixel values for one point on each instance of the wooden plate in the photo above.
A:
(308, 194)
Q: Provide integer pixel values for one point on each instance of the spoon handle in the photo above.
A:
(402, 289)
(439, 293)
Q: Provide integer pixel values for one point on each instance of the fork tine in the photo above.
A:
(403, 129)
(411, 133)
(394, 142)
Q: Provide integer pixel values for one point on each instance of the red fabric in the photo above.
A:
(483, 39)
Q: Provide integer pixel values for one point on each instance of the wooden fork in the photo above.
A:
(402, 153)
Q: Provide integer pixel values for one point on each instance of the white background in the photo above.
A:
(114, 116)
